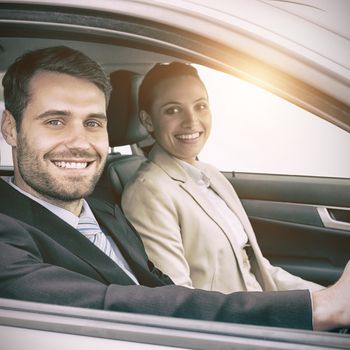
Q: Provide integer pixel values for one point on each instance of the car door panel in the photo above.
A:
(288, 216)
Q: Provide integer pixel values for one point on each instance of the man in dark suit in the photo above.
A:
(55, 121)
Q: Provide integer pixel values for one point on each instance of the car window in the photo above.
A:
(258, 132)
(121, 149)
(255, 131)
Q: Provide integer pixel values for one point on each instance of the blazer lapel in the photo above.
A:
(111, 217)
(177, 173)
(211, 211)
(230, 197)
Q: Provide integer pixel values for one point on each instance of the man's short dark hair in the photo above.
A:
(60, 59)
(158, 73)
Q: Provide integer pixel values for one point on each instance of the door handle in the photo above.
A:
(330, 222)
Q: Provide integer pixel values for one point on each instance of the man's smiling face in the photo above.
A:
(62, 144)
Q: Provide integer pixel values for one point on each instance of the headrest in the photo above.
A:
(124, 127)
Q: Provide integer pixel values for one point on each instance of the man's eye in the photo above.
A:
(54, 122)
(92, 124)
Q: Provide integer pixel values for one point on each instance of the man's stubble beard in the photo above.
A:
(44, 183)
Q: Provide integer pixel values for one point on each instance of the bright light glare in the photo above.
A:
(256, 131)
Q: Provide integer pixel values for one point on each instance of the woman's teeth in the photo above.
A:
(188, 136)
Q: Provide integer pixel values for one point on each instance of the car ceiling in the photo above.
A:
(332, 15)
(111, 57)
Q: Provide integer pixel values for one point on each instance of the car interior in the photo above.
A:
(302, 223)
(284, 210)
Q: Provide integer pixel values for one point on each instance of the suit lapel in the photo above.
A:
(127, 239)
(111, 217)
(74, 241)
(25, 209)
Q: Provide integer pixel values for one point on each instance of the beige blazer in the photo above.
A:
(184, 236)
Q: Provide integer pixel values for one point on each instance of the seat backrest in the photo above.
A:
(124, 128)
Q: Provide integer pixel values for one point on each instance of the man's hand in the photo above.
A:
(331, 306)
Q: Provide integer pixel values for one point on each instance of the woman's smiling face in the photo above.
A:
(180, 117)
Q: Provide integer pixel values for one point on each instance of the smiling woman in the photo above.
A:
(189, 217)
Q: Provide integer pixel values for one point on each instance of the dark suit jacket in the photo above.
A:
(44, 259)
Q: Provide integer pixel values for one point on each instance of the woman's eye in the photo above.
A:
(172, 110)
(202, 106)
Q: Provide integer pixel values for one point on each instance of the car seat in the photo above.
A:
(124, 128)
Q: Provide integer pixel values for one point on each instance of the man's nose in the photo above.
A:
(77, 137)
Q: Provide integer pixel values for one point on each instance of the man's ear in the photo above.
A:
(8, 128)
(146, 121)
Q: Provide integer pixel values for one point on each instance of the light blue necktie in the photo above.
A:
(91, 230)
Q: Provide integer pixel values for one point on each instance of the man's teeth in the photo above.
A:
(188, 136)
(71, 165)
